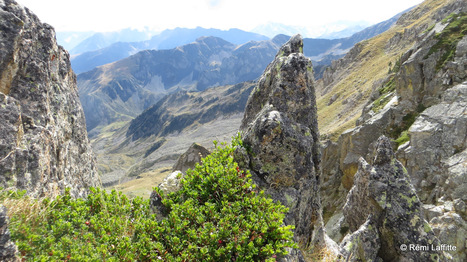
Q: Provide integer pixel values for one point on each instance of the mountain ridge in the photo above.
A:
(131, 85)
(167, 39)
(155, 139)
(181, 36)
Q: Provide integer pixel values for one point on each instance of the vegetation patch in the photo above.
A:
(403, 138)
(399, 133)
(322, 254)
(407, 121)
(218, 215)
(386, 92)
(449, 37)
(397, 66)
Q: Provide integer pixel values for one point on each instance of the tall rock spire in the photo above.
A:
(280, 131)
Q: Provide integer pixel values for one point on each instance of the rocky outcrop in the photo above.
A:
(419, 105)
(190, 158)
(43, 141)
(426, 72)
(385, 214)
(436, 154)
(436, 158)
(170, 184)
(8, 249)
(280, 131)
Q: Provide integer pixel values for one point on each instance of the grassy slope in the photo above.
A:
(366, 68)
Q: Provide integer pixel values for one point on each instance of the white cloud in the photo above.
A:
(108, 15)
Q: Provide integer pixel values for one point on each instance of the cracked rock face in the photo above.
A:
(8, 249)
(43, 141)
(384, 213)
(436, 157)
(280, 131)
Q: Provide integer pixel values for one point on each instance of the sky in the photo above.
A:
(112, 15)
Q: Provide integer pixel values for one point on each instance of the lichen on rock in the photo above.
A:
(280, 132)
(385, 214)
(44, 146)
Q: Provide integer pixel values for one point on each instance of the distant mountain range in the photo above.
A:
(81, 42)
(104, 39)
(167, 39)
(340, 29)
(121, 90)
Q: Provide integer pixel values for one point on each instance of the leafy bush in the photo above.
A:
(218, 215)
(99, 228)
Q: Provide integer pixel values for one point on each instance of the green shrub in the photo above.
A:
(218, 215)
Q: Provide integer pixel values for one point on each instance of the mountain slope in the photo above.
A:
(155, 139)
(349, 82)
(121, 90)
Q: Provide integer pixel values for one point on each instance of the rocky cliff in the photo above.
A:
(43, 141)
(417, 101)
(280, 130)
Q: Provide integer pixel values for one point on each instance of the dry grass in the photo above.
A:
(322, 255)
(31, 211)
(142, 186)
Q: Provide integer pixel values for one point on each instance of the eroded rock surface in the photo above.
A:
(8, 249)
(436, 158)
(43, 141)
(385, 214)
(280, 131)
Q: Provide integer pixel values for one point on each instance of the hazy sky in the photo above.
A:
(111, 15)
